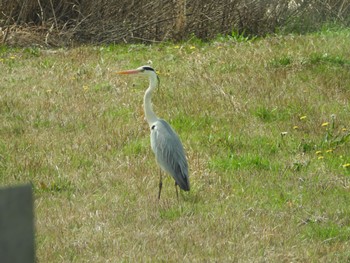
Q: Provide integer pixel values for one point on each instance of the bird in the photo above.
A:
(165, 143)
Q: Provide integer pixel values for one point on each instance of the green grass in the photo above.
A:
(265, 124)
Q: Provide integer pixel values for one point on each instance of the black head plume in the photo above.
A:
(148, 68)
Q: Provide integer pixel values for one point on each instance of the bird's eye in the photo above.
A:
(153, 126)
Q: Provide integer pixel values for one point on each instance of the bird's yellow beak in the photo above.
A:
(127, 72)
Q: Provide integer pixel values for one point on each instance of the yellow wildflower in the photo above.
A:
(177, 46)
(320, 157)
(344, 129)
(192, 47)
(329, 151)
(346, 165)
(318, 152)
(303, 117)
(295, 127)
(325, 124)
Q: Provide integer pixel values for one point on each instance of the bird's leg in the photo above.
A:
(160, 183)
(177, 193)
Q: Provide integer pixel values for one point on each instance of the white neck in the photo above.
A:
(147, 103)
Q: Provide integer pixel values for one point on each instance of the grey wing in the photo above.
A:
(169, 153)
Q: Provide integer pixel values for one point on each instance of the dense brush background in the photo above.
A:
(59, 22)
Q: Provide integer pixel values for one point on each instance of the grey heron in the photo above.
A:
(165, 143)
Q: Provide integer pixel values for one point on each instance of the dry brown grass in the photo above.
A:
(76, 131)
(61, 22)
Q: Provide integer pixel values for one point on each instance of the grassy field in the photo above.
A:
(265, 125)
